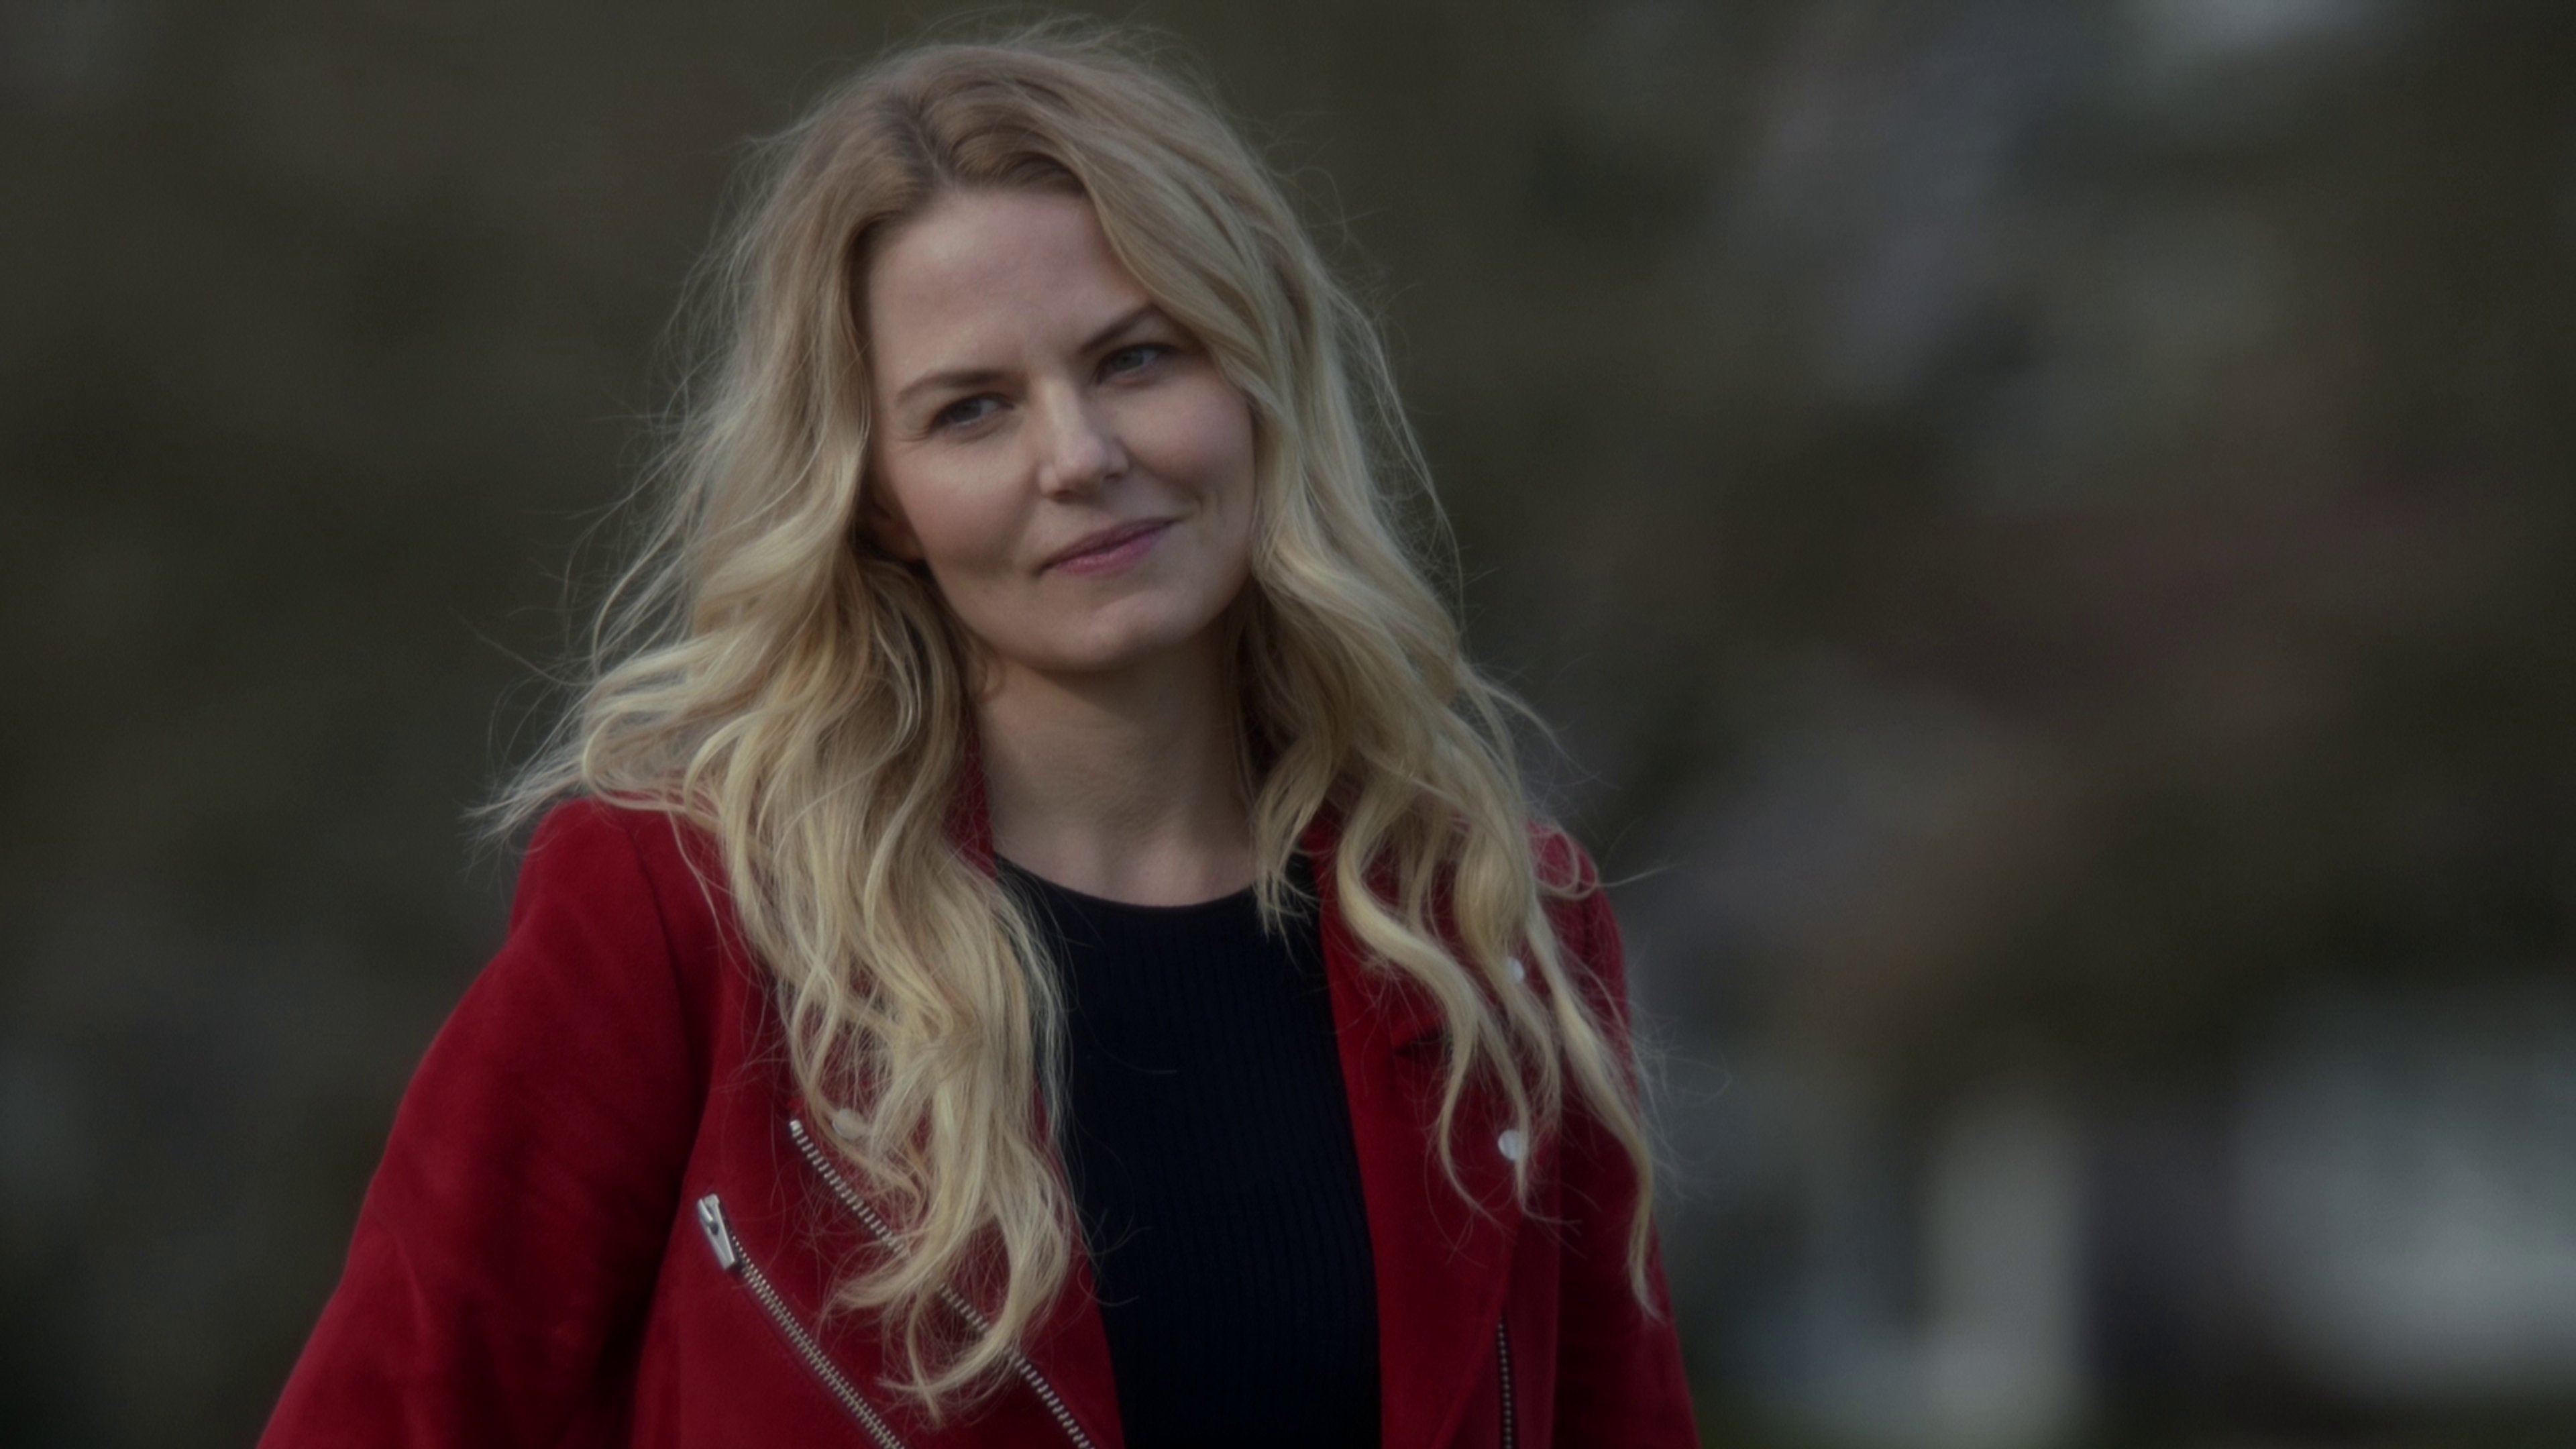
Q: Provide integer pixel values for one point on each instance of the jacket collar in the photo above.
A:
(1442, 1262)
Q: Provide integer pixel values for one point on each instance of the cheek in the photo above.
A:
(1200, 437)
(966, 521)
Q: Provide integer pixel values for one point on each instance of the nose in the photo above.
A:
(1078, 447)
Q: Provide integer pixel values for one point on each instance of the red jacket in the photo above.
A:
(597, 1222)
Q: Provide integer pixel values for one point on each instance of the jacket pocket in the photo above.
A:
(731, 1258)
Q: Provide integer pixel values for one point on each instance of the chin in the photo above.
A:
(1103, 658)
(1116, 643)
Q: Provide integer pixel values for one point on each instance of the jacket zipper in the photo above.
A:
(731, 1258)
(884, 1232)
(1028, 1372)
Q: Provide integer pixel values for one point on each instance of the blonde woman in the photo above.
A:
(1035, 935)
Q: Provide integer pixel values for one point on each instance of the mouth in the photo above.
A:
(1108, 548)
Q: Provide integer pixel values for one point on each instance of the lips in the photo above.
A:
(1105, 540)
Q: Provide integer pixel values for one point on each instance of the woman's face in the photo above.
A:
(1070, 464)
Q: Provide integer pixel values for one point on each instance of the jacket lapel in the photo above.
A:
(1442, 1265)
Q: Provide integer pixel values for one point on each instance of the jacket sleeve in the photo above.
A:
(1620, 1378)
(508, 1243)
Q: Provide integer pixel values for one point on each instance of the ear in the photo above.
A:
(883, 522)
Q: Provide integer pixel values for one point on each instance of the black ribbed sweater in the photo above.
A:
(1208, 1143)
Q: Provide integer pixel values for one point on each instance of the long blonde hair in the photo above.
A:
(763, 671)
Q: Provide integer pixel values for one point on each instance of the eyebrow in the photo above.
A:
(963, 377)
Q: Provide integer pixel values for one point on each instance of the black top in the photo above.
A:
(1209, 1148)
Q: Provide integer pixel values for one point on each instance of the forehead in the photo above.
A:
(987, 270)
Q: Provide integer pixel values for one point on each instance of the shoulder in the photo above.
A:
(1570, 886)
(594, 839)
(588, 835)
(1569, 882)
(630, 880)
(1563, 864)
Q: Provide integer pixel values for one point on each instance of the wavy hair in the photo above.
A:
(762, 670)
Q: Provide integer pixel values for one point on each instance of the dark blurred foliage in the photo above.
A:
(2046, 527)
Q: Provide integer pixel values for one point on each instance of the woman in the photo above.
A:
(1036, 935)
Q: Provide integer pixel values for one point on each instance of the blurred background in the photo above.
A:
(2046, 525)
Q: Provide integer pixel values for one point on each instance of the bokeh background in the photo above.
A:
(2045, 525)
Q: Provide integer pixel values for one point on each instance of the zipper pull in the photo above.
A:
(711, 1221)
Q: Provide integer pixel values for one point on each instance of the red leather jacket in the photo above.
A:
(598, 1220)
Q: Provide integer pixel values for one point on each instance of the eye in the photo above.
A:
(1134, 357)
(965, 412)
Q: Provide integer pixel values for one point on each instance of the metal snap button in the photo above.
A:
(847, 1125)
(1511, 1144)
(1519, 971)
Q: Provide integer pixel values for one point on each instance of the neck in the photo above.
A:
(1120, 784)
